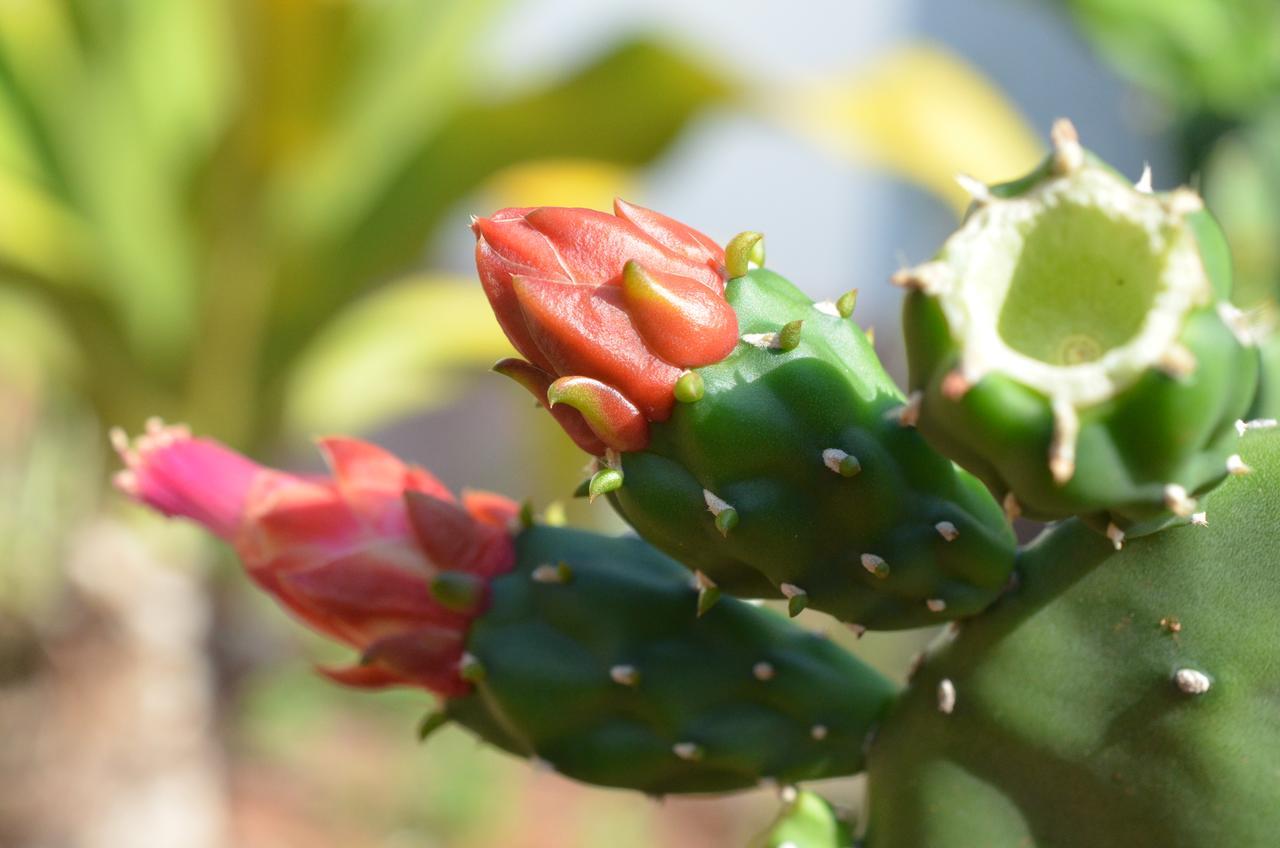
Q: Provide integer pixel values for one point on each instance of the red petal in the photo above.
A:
(535, 380)
(360, 464)
(452, 539)
(490, 508)
(595, 245)
(671, 233)
(681, 320)
(498, 257)
(608, 412)
(366, 589)
(428, 656)
(585, 331)
(363, 676)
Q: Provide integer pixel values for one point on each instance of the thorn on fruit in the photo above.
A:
(1191, 682)
(625, 675)
(842, 463)
(875, 565)
(688, 751)
(947, 530)
(797, 598)
(946, 696)
(1177, 500)
(847, 302)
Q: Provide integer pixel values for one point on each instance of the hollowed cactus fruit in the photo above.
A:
(1073, 345)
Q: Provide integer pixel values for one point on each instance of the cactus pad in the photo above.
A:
(796, 471)
(1116, 698)
(592, 658)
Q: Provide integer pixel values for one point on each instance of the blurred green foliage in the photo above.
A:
(192, 191)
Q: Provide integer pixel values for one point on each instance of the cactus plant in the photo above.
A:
(581, 652)
(753, 435)
(1072, 347)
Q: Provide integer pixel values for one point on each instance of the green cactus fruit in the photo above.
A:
(806, 820)
(1073, 345)
(797, 471)
(1115, 698)
(592, 658)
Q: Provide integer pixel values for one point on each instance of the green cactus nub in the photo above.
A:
(459, 591)
(430, 723)
(742, 249)
(603, 482)
(689, 387)
(847, 303)
(789, 335)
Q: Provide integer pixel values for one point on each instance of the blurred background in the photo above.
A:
(251, 216)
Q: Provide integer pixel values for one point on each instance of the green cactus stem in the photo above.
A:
(602, 660)
(1115, 698)
(1073, 345)
(797, 474)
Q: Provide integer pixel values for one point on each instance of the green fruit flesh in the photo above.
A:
(609, 675)
(1072, 347)
(1068, 725)
(831, 493)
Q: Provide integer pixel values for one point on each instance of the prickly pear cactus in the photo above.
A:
(1073, 345)
(1115, 698)
(592, 659)
(797, 464)
(806, 820)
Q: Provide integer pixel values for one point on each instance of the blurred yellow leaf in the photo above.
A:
(402, 349)
(924, 113)
(587, 183)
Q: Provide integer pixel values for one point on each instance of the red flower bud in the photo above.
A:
(379, 556)
(627, 301)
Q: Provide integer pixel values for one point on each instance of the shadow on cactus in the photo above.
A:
(1110, 684)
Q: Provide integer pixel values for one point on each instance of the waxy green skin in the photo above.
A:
(1068, 730)
(1160, 430)
(756, 440)
(808, 821)
(547, 650)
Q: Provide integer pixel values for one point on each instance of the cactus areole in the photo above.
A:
(1074, 346)
(782, 461)
(587, 654)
